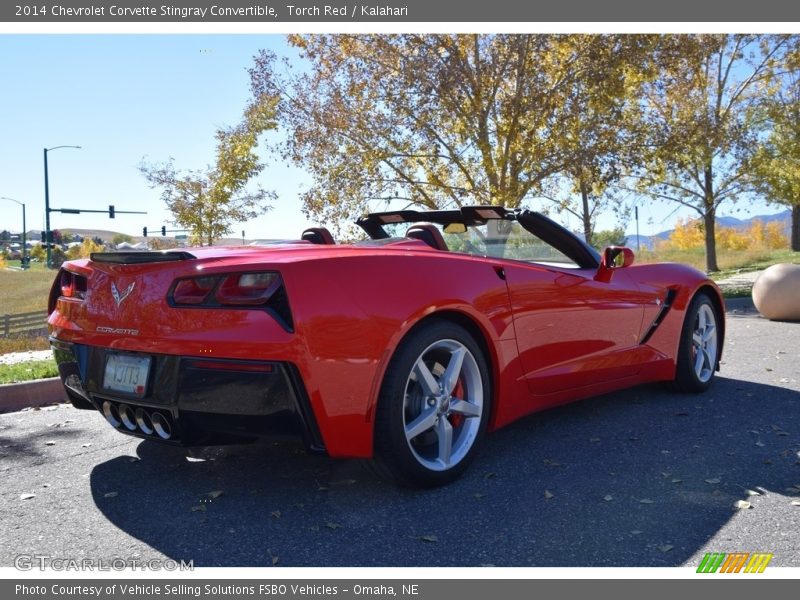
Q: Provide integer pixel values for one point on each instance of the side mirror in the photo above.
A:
(617, 257)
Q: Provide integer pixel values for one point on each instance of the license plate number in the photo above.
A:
(127, 374)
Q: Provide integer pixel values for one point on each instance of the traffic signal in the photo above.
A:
(44, 237)
(110, 211)
(144, 231)
(163, 230)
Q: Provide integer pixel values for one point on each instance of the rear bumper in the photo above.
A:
(193, 401)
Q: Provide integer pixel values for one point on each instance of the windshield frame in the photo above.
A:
(536, 223)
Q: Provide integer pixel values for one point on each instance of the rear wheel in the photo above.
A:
(433, 407)
(699, 347)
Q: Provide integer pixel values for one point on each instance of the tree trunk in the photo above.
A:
(709, 221)
(587, 217)
(796, 227)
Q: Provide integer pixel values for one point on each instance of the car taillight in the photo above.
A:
(72, 285)
(254, 290)
(247, 289)
(193, 291)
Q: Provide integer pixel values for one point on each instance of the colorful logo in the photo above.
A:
(735, 562)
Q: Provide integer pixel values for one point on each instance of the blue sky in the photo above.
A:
(129, 97)
(123, 98)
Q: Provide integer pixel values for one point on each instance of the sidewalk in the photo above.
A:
(740, 281)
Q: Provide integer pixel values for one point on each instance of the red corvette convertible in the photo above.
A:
(405, 348)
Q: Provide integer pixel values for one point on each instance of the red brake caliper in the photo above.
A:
(456, 419)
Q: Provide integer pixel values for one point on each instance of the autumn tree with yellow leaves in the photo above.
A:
(776, 164)
(209, 201)
(699, 121)
(439, 121)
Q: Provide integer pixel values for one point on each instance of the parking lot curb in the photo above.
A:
(16, 396)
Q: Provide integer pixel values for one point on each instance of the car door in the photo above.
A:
(574, 329)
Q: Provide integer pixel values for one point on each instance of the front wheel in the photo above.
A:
(433, 407)
(698, 353)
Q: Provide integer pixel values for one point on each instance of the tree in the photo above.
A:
(119, 238)
(698, 115)
(158, 243)
(776, 164)
(86, 248)
(38, 252)
(601, 121)
(609, 237)
(208, 202)
(437, 120)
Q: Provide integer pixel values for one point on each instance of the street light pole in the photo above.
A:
(47, 204)
(24, 230)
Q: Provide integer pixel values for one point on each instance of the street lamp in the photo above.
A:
(47, 203)
(23, 262)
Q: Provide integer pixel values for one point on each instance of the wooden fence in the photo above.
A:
(21, 323)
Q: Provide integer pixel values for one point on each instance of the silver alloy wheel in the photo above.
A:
(704, 343)
(443, 404)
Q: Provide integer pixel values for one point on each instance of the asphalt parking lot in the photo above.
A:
(643, 477)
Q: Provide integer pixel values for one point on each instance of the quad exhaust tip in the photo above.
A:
(123, 415)
(144, 421)
(111, 414)
(162, 426)
(127, 417)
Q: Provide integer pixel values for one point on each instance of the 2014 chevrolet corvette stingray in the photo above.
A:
(405, 348)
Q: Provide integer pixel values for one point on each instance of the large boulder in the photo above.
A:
(776, 292)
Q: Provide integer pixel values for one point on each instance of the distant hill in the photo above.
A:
(648, 241)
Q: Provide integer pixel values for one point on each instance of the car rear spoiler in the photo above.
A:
(137, 258)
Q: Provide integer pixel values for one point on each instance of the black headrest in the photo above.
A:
(428, 233)
(317, 235)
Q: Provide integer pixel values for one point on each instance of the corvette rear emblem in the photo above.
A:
(118, 298)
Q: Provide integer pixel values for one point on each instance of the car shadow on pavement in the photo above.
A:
(644, 477)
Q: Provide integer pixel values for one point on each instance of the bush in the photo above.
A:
(760, 236)
(609, 237)
(84, 250)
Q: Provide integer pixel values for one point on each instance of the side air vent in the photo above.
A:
(668, 300)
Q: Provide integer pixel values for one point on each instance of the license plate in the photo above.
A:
(127, 374)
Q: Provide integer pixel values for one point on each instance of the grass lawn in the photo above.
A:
(730, 262)
(28, 371)
(22, 292)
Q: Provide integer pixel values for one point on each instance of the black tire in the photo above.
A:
(417, 455)
(695, 373)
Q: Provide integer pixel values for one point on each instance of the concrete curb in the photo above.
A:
(16, 396)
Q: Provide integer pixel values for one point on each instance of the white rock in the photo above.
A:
(776, 292)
